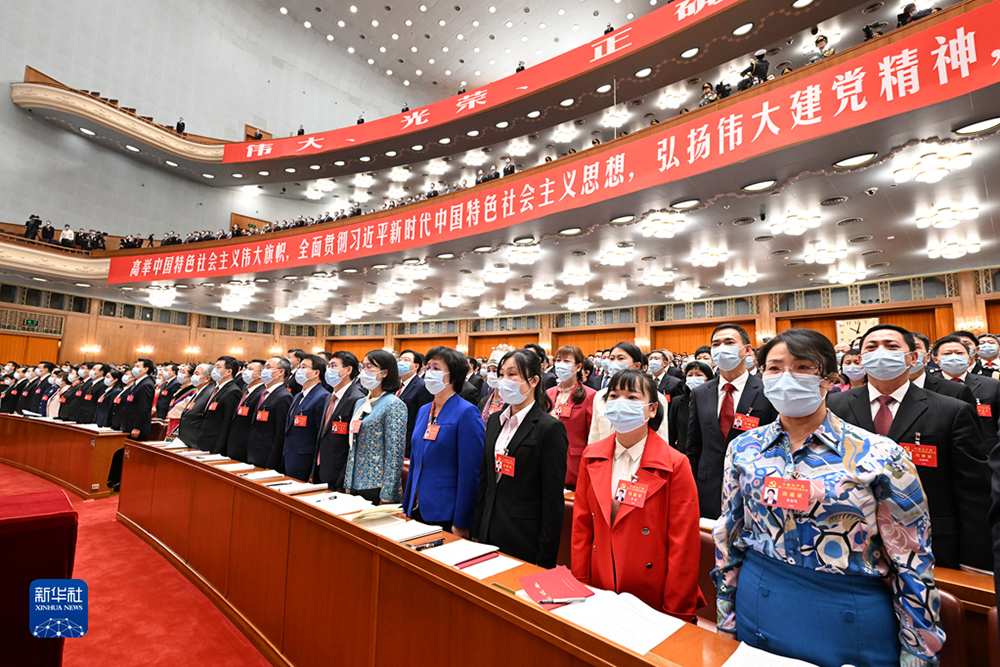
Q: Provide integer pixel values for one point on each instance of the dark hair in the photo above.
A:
(539, 350)
(49, 366)
(299, 354)
(744, 336)
(473, 362)
(454, 360)
(326, 355)
(966, 334)
(318, 364)
(990, 336)
(635, 380)
(230, 363)
(804, 344)
(115, 374)
(701, 366)
(855, 352)
(924, 339)
(418, 358)
(633, 351)
(189, 369)
(172, 366)
(579, 394)
(148, 365)
(285, 365)
(588, 369)
(950, 338)
(908, 338)
(529, 366)
(347, 360)
(704, 349)
(385, 361)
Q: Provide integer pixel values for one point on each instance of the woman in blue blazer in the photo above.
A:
(377, 433)
(446, 448)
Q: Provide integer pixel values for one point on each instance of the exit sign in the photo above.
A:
(31, 323)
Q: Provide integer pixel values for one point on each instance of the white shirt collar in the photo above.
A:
(874, 393)
(633, 453)
(740, 382)
(506, 415)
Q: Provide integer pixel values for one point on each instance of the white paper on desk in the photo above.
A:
(91, 427)
(212, 458)
(299, 487)
(261, 475)
(172, 447)
(748, 656)
(707, 524)
(338, 503)
(491, 567)
(235, 467)
(459, 551)
(406, 531)
(197, 452)
(623, 619)
(384, 520)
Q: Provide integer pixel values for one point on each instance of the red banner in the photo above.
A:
(631, 38)
(937, 64)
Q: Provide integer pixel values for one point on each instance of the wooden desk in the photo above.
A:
(74, 457)
(310, 588)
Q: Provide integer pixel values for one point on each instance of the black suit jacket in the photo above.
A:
(470, 393)
(218, 419)
(676, 372)
(523, 514)
(934, 382)
(957, 490)
(189, 429)
(88, 407)
(164, 395)
(979, 369)
(69, 403)
(8, 403)
(236, 448)
(35, 397)
(672, 386)
(105, 403)
(706, 448)
(118, 407)
(335, 447)
(137, 410)
(549, 380)
(986, 391)
(594, 381)
(415, 396)
(266, 441)
(24, 398)
(677, 421)
(476, 380)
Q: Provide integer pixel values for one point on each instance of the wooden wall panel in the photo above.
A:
(915, 320)
(481, 346)
(28, 349)
(993, 316)
(591, 341)
(421, 345)
(214, 344)
(359, 347)
(824, 325)
(933, 322)
(688, 338)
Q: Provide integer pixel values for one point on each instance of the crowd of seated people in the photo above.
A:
(36, 230)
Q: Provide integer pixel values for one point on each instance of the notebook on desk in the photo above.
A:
(406, 531)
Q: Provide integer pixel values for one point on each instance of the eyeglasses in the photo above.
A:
(802, 369)
(370, 367)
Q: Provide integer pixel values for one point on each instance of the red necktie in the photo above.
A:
(329, 410)
(883, 418)
(727, 411)
(958, 380)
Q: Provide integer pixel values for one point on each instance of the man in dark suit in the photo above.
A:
(189, 429)
(469, 391)
(474, 378)
(87, 413)
(166, 390)
(8, 402)
(107, 399)
(221, 408)
(508, 167)
(412, 390)
(988, 356)
(236, 447)
(933, 381)
(956, 478)
(137, 413)
(35, 397)
(669, 386)
(24, 398)
(304, 417)
(295, 357)
(713, 409)
(549, 379)
(334, 436)
(266, 440)
(954, 358)
(75, 404)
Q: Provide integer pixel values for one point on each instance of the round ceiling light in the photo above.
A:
(170, 163)
(855, 161)
(685, 204)
(760, 186)
(644, 72)
(89, 133)
(623, 219)
(978, 127)
(690, 53)
(743, 29)
(603, 89)
(570, 231)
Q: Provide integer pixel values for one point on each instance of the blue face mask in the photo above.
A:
(404, 368)
(266, 375)
(918, 365)
(333, 377)
(510, 392)
(301, 376)
(564, 371)
(693, 381)
(369, 379)
(793, 394)
(434, 381)
(247, 376)
(616, 366)
(749, 363)
(988, 350)
(854, 372)
(883, 364)
(726, 357)
(492, 380)
(196, 380)
(954, 364)
(625, 415)
(655, 366)
(216, 375)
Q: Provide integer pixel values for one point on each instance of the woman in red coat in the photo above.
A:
(573, 405)
(636, 483)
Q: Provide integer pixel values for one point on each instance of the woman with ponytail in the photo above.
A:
(573, 405)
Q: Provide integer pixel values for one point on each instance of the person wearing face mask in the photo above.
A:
(720, 410)
(988, 357)
(519, 503)
(28, 392)
(852, 370)
(783, 585)
(138, 406)
(304, 418)
(10, 397)
(86, 382)
(60, 385)
(492, 401)
(36, 397)
(378, 426)
(573, 405)
(221, 408)
(946, 443)
(954, 358)
(647, 543)
(266, 441)
(549, 379)
(239, 431)
(411, 390)
(113, 387)
(334, 438)
(181, 397)
(623, 356)
(696, 373)
(189, 426)
(658, 368)
(446, 450)
(474, 377)
(52, 385)
(166, 391)
(295, 357)
(936, 382)
(118, 403)
(88, 408)
(68, 402)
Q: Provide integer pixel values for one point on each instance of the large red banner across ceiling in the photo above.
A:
(937, 64)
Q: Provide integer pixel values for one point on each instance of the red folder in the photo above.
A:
(555, 583)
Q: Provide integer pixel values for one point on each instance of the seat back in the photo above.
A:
(955, 652)
(993, 637)
(566, 537)
(157, 430)
(706, 564)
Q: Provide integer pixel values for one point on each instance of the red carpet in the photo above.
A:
(143, 612)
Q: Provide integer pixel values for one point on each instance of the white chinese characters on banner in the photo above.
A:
(612, 43)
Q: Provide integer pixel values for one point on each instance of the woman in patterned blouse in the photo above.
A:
(823, 546)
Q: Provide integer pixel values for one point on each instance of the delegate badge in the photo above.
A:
(745, 422)
(432, 432)
(505, 465)
(631, 493)
(792, 494)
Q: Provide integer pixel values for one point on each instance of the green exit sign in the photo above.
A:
(31, 323)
